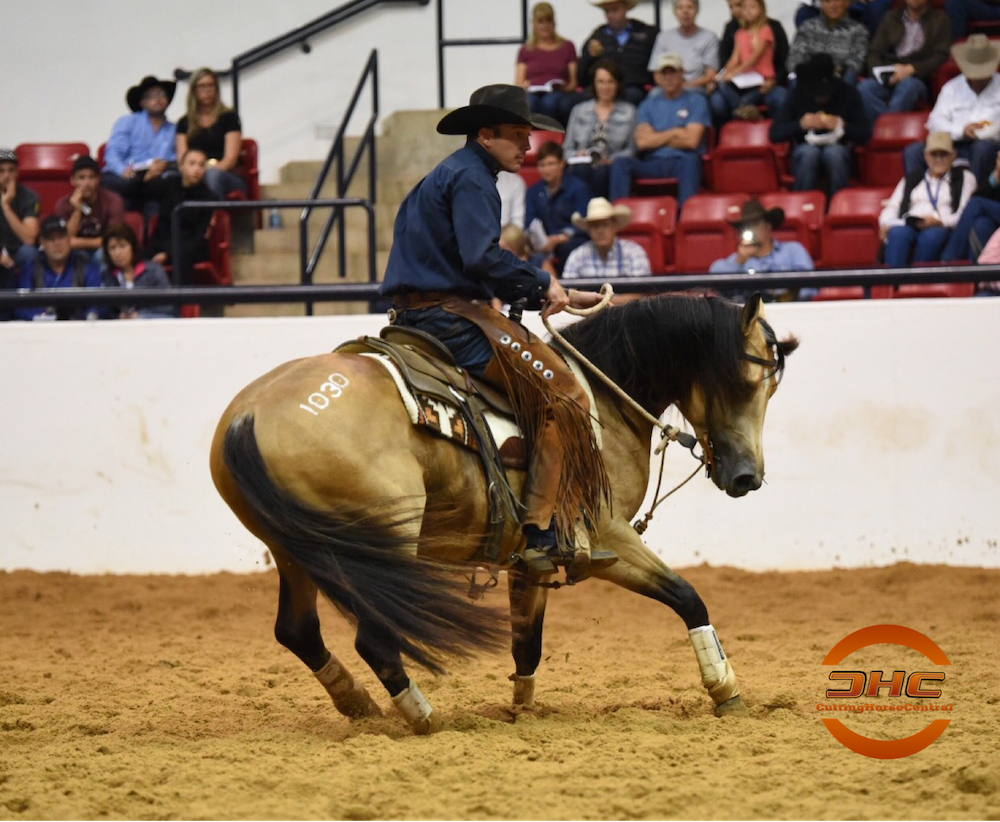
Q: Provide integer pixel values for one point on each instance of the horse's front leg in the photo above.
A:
(639, 569)
(527, 615)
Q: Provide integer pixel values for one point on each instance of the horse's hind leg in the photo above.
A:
(527, 615)
(639, 569)
(297, 628)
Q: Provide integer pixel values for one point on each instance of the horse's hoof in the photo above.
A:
(428, 725)
(358, 704)
(732, 707)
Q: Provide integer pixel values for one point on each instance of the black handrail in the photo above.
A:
(344, 178)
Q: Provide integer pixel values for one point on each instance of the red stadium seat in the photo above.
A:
(703, 232)
(135, 221)
(882, 158)
(935, 290)
(849, 235)
(217, 270)
(948, 71)
(45, 169)
(803, 217)
(852, 292)
(654, 222)
(745, 159)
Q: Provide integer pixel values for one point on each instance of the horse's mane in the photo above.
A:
(658, 348)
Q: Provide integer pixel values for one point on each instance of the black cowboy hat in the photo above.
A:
(134, 95)
(753, 211)
(817, 74)
(493, 106)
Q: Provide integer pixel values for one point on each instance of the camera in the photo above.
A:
(749, 237)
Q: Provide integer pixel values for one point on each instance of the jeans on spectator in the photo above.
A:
(554, 104)
(24, 260)
(980, 218)
(807, 161)
(925, 243)
(962, 11)
(634, 94)
(597, 177)
(904, 96)
(727, 98)
(138, 194)
(221, 182)
(981, 154)
(684, 165)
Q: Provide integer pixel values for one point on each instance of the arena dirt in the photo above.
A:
(167, 697)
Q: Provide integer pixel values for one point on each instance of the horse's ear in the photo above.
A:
(751, 311)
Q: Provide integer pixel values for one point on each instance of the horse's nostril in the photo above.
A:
(743, 484)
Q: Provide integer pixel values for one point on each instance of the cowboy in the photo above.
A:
(759, 252)
(142, 144)
(445, 267)
(627, 41)
(968, 108)
(606, 255)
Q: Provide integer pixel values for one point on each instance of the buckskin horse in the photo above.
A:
(355, 501)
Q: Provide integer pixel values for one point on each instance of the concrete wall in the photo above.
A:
(67, 66)
(882, 444)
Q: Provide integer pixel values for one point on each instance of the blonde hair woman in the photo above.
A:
(214, 129)
(546, 66)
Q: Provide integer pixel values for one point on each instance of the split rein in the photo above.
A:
(668, 433)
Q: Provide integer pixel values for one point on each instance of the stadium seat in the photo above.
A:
(882, 159)
(45, 168)
(849, 234)
(852, 292)
(935, 290)
(745, 160)
(135, 221)
(803, 217)
(217, 270)
(654, 222)
(703, 231)
(949, 70)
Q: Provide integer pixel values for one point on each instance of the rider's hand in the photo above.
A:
(556, 299)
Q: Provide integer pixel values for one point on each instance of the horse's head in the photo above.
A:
(729, 419)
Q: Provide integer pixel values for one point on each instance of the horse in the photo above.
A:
(378, 514)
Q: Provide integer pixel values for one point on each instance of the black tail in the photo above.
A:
(365, 566)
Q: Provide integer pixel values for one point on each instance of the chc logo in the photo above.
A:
(898, 684)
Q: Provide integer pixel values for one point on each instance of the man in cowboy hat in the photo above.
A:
(445, 267)
(759, 252)
(606, 255)
(142, 144)
(627, 41)
(968, 108)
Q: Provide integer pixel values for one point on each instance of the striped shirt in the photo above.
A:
(625, 259)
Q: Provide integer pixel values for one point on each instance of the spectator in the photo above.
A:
(990, 256)
(867, 12)
(739, 91)
(141, 150)
(512, 198)
(600, 130)
(924, 207)
(728, 40)
(605, 255)
(546, 66)
(90, 209)
(195, 223)
(127, 269)
(968, 108)
(962, 12)
(627, 41)
(551, 203)
(913, 41)
(57, 265)
(824, 118)
(19, 207)
(979, 221)
(835, 34)
(758, 252)
(514, 240)
(671, 132)
(214, 129)
(698, 48)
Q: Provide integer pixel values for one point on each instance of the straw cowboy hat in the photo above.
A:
(134, 95)
(753, 211)
(601, 209)
(493, 106)
(977, 57)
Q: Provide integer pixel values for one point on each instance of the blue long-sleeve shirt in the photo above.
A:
(447, 235)
(133, 140)
(68, 279)
(786, 256)
(556, 209)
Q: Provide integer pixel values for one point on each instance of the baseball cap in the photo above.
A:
(85, 161)
(53, 225)
(939, 141)
(8, 155)
(669, 60)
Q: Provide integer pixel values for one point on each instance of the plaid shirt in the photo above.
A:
(625, 259)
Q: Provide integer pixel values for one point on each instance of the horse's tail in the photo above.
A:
(365, 564)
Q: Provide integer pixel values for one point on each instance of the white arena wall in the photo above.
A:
(882, 444)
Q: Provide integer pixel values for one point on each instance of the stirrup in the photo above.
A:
(537, 561)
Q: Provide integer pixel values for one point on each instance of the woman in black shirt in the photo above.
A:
(214, 129)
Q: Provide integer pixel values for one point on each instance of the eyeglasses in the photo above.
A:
(939, 155)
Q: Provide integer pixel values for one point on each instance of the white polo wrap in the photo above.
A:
(524, 690)
(337, 681)
(412, 704)
(717, 674)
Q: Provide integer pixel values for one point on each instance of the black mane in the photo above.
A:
(657, 349)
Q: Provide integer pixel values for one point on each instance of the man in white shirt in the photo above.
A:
(606, 255)
(512, 198)
(967, 108)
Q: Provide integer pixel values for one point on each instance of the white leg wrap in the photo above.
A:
(524, 690)
(335, 678)
(414, 707)
(717, 674)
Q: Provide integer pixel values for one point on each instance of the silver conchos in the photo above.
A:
(538, 365)
(515, 347)
(526, 356)
(547, 373)
(505, 339)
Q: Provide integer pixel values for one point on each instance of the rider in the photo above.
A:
(445, 267)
